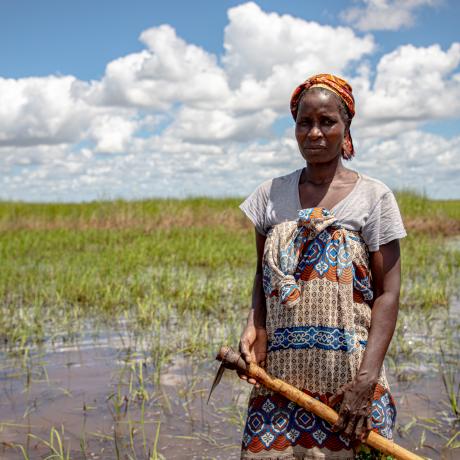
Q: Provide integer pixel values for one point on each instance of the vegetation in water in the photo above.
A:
(181, 273)
(160, 261)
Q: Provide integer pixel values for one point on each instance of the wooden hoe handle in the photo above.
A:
(233, 360)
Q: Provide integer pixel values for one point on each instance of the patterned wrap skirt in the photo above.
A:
(318, 294)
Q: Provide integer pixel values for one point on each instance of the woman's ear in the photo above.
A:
(347, 146)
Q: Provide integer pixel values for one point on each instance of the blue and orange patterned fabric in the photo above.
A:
(318, 292)
(274, 423)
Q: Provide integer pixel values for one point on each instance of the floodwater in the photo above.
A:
(106, 398)
(106, 395)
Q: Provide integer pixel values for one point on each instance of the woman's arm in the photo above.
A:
(356, 396)
(253, 341)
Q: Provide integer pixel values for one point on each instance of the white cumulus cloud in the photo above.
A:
(168, 71)
(268, 54)
(412, 85)
(213, 126)
(112, 133)
(182, 121)
(384, 14)
(256, 43)
(416, 160)
(43, 110)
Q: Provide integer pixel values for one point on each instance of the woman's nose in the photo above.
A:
(315, 132)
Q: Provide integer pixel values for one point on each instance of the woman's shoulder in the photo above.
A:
(271, 188)
(368, 197)
(282, 180)
(364, 198)
(289, 176)
(273, 201)
(373, 189)
(380, 219)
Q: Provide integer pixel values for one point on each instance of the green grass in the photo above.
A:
(182, 272)
(414, 205)
(150, 261)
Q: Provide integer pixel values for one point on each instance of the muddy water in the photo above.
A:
(107, 398)
(108, 411)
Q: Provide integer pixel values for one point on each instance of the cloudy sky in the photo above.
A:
(138, 99)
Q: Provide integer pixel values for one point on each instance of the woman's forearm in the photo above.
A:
(253, 340)
(386, 275)
(383, 322)
(258, 313)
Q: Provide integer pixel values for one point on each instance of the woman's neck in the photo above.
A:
(322, 173)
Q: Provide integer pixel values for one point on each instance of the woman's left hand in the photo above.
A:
(355, 410)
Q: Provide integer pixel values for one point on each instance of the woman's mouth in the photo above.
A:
(315, 147)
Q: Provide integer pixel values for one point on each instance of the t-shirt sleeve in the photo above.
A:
(384, 223)
(255, 207)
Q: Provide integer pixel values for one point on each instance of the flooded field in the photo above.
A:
(111, 315)
(102, 396)
(106, 399)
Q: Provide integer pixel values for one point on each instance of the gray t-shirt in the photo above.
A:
(369, 208)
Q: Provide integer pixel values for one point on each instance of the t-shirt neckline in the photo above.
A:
(339, 203)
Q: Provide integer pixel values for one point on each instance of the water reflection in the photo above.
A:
(109, 394)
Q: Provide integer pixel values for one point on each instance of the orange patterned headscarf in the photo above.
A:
(339, 87)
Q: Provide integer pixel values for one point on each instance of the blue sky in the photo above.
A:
(111, 114)
(80, 37)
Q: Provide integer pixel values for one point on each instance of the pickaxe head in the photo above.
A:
(230, 360)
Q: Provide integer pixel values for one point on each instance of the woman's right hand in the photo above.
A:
(253, 348)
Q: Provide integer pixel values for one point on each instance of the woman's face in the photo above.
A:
(319, 128)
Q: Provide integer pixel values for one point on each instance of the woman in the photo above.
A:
(326, 289)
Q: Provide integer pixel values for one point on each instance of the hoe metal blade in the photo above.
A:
(217, 378)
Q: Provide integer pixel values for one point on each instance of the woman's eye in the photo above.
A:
(328, 121)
